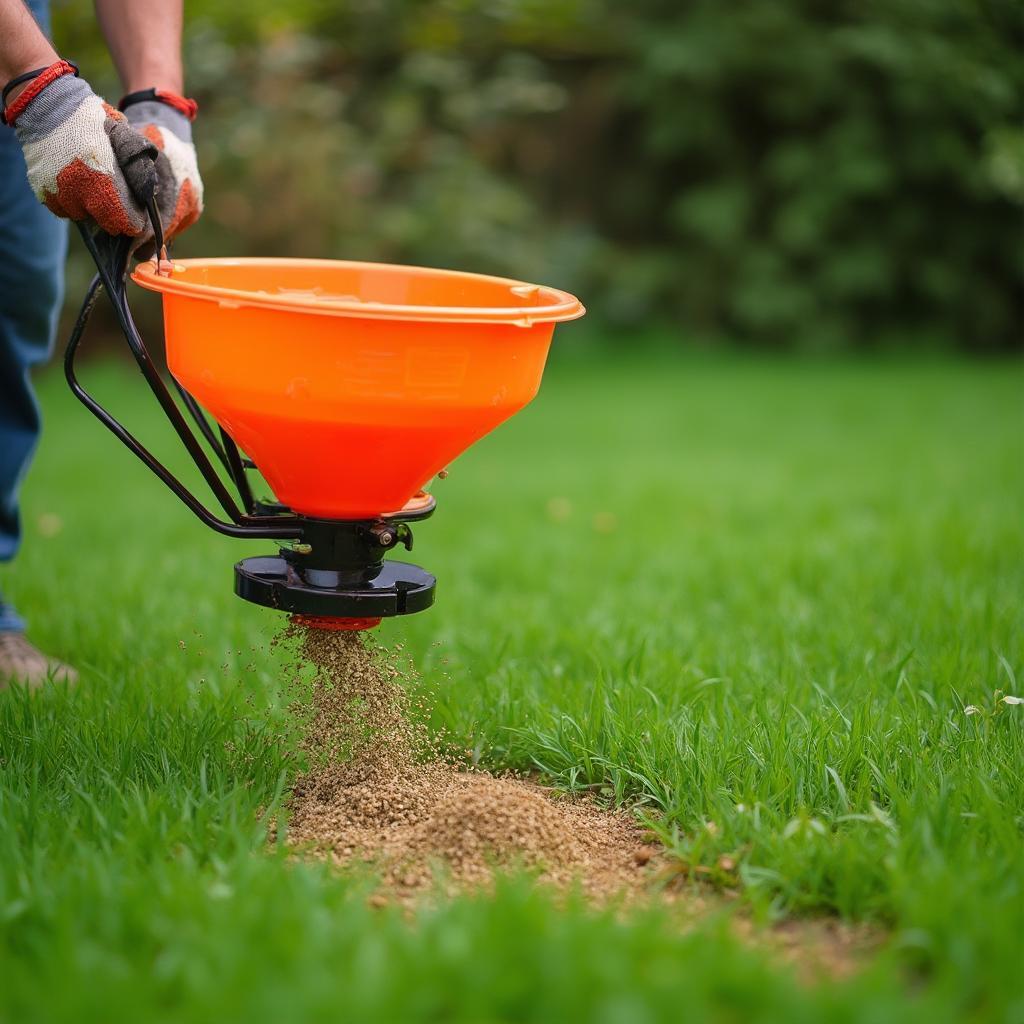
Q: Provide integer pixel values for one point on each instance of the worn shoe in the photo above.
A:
(21, 664)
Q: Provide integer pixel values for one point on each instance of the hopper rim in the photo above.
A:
(564, 307)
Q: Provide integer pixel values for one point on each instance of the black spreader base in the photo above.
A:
(400, 589)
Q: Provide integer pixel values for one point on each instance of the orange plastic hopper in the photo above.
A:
(351, 384)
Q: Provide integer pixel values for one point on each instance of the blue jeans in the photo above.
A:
(33, 244)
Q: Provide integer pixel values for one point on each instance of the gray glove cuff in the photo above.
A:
(160, 114)
(52, 108)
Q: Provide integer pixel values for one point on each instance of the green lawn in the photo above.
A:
(754, 596)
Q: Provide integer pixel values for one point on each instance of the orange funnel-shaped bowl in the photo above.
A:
(351, 384)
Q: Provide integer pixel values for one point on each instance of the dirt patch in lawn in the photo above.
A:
(380, 792)
(816, 948)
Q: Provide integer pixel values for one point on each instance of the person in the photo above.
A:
(67, 154)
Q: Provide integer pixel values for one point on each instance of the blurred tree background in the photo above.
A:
(803, 175)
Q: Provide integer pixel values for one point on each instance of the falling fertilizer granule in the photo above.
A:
(377, 792)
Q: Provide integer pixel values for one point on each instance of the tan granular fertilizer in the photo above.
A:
(377, 792)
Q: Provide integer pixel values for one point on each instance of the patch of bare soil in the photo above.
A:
(816, 948)
(379, 793)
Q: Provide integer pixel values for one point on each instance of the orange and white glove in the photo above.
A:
(165, 119)
(84, 160)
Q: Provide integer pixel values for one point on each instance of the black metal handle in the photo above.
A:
(111, 254)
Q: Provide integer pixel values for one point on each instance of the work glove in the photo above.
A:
(166, 122)
(84, 159)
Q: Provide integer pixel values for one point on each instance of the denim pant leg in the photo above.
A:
(33, 244)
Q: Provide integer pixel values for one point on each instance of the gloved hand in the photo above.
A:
(84, 160)
(180, 193)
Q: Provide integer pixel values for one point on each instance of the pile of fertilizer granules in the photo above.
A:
(377, 792)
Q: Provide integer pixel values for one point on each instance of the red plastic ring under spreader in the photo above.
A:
(334, 622)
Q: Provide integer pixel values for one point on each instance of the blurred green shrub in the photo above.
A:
(801, 175)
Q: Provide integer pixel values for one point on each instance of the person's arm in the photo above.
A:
(83, 159)
(144, 38)
(23, 47)
(79, 149)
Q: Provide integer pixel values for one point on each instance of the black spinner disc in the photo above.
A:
(269, 580)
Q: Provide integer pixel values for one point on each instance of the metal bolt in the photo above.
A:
(386, 538)
(302, 549)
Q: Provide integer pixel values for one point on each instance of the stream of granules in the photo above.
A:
(378, 792)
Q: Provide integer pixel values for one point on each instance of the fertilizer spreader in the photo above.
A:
(346, 386)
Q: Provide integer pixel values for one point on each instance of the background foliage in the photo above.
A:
(799, 175)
